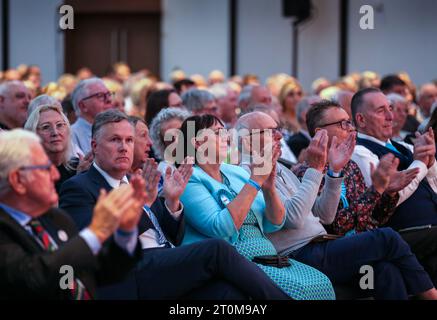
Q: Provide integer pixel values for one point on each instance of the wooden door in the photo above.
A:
(101, 39)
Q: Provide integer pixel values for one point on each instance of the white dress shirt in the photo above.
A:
(149, 238)
(363, 157)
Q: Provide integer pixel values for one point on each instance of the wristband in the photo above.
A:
(254, 184)
(333, 174)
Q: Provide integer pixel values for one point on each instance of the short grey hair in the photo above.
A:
(5, 86)
(43, 99)
(15, 152)
(304, 105)
(82, 91)
(245, 95)
(220, 90)
(395, 98)
(33, 120)
(195, 99)
(106, 117)
(162, 117)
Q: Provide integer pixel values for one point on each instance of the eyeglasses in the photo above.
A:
(262, 131)
(344, 124)
(102, 96)
(47, 167)
(47, 128)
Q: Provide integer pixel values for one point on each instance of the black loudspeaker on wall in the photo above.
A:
(301, 9)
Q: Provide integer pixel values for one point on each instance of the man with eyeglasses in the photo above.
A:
(14, 100)
(303, 237)
(39, 241)
(89, 98)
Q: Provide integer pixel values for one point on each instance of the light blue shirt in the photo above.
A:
(81, 135)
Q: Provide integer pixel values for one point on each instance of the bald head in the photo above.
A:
(255, 120)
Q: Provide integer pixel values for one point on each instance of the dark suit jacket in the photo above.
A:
(27, 271)
(297, 143)
(79, 195)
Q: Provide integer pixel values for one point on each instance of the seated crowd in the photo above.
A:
(217, 188)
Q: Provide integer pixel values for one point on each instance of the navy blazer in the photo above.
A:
(79, 195)
(29, 272)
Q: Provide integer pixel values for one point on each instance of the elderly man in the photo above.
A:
(374, 120)
(14, 100)
(303, 236)
(200, 102)
(426, 98)
(227, 102)
(208, 270)
(38, 241)
(399, 106)
(89, 98)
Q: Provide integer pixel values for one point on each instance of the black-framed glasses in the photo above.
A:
(344, 124)
(262, 131)
(102, 96)
(47, 167)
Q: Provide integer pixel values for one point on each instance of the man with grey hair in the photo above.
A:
(426, 98)
(41, 100)
(89, 98)
(227, 103)
(14, 100)
(399, 105)
(39, 241)
(344, 99)
(200, 102)
(301, 139)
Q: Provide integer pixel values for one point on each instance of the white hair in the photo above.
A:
(162, 117)
(15, 152)
(394, 98)
(82, 91)
(195, 99)
(245, 94)
(43, 99)
(5, 86)
(220, 90)
(33, 120)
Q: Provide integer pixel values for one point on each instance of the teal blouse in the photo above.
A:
(205, 209)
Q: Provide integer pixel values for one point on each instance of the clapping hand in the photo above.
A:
(175, 182)
(339, 154)
(380, 176)
(151, 176)
(316, 153)
(424, 148)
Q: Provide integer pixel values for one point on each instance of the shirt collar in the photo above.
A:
(370, 138)
(114, 183)
(21, 217)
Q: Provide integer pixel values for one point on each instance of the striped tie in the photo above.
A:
(79, 292)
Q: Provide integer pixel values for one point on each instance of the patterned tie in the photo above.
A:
(79, 292)
(161, 237)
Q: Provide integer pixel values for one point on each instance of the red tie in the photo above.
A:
(79, 292)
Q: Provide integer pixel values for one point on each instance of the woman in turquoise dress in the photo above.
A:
(224, 201)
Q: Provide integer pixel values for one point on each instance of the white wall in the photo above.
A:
(264, 38)
(404, 39)
(34, 36)
(194, 36)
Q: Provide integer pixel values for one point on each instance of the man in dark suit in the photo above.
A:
(38, 242)
(207, 270)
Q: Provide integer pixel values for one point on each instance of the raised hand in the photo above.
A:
(175, 182)
(424, 148)
(262, 165)
(400, 179)
(316, 153)
(85, 162)
(387, 166)
(270, 182)
(151, 176)
(109, 209)
(131, 216)
(339, 154)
